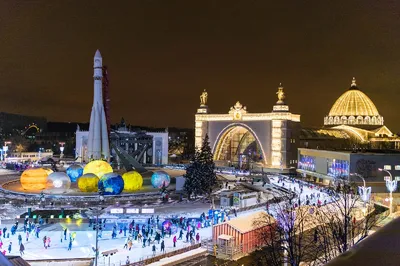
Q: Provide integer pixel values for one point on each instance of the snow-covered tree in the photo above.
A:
(200, 177)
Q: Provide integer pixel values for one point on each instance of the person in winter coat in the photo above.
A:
(125, 230)
(70, 245)
(21, 249)
(1, 244)
(129, 244)
(154, 249)
(19, 239)
(27, 236)
(174, 240)
(9, 247)
(44, 241)
(197, 238)
(157, 237)
(162, 246)
(180, 234)
(126, 242)
(48, 240)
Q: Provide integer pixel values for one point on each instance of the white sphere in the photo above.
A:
(58, 182)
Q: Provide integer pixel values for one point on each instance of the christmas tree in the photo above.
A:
(200, 177)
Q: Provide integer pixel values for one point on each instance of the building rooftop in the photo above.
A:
(245, 224)
(363, 151)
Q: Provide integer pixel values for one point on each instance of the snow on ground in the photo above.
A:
(84, 241)
(169, 260)
(85, 237)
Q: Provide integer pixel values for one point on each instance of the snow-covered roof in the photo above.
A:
(225, 237)
(245, 223)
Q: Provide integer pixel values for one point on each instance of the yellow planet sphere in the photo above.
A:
(88, 183)
(98, 167)
(132, 181)
(35, 178)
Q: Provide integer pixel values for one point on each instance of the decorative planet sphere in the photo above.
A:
(111, 184)
(98, 167)
(160, 179)
(132, 181)
(88, 182)
(74, 172)
(35, 178)
(58, 182)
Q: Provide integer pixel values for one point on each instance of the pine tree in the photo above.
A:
(200, 177)
(209, 178)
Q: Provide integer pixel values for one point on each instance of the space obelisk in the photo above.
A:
(98, 145)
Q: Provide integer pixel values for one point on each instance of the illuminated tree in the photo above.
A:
(200, 177)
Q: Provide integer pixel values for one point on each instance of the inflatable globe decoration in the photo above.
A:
(166, 224)
(160, 179)
(98, 167)
(111, 184)
(58, 182)
(88, 182)
(74, 172)
(132, 181)
(35, 178)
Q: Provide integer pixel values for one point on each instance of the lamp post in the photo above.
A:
(391, 185)
(364, 191)
(5, 148)
(97, 225)
(62, 149)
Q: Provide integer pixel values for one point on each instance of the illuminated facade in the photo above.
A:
(242, 138)
(355, 114)
(325, 166)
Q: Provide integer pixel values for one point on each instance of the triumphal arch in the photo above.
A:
(243, 139)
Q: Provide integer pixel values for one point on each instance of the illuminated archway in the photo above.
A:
(236, 139)
(29, 128)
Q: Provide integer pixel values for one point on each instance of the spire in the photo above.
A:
(353, 82)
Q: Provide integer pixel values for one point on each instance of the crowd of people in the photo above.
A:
(153, 233)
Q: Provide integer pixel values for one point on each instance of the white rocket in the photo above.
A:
(98, 146)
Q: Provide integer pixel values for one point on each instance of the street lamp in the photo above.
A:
(62, 149)
(97, 225)
(364, 191)
(5, 148)
(391, 185)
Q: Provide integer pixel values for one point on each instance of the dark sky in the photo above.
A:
(162, 54)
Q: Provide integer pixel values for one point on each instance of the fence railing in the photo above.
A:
(152, 259)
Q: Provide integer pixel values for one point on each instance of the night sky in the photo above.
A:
(162, 54)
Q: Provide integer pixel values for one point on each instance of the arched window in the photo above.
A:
(360, 120)
(330, 120)
(337, 120)
(344, 120)
(367, 120)
(373, 120)
(352, 120)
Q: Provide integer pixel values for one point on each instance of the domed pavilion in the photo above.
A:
(356, 114)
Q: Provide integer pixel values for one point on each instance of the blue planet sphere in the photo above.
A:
(160, 179)
(74, 172)
(111, 184)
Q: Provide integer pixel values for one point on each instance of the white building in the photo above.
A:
(146, 147)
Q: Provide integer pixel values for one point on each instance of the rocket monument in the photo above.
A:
(98, 145)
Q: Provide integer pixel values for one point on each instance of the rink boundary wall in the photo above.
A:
(166, 255)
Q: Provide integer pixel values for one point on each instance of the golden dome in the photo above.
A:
(354, 102)
(353, 107)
